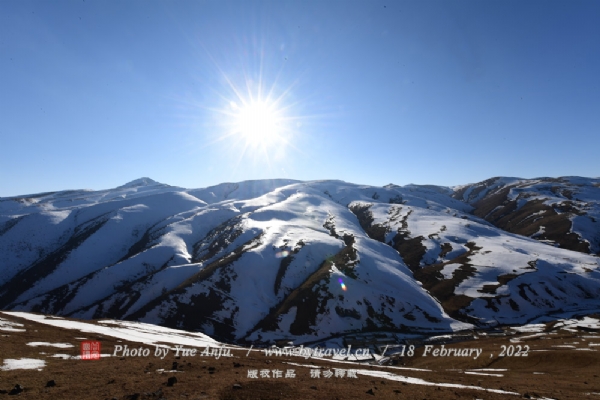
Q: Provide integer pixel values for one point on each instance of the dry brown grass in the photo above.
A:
(559, 372)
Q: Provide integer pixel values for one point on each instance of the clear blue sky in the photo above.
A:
(96, 93)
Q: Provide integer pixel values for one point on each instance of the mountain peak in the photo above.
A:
(145, 181)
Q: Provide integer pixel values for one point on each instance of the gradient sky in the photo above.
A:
(96, 93)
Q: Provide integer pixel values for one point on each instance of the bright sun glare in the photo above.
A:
(257, 122)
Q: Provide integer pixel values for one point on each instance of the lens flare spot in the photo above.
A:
(342, 284)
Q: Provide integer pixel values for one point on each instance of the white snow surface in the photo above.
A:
(10, 326)
(59, 345)
(130, 331)
(22, 363)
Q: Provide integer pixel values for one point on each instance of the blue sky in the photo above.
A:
(94, 94)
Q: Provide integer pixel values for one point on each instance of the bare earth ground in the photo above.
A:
(549, 371)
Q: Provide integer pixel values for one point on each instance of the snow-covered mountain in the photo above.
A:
(561, 211)
(258, 261)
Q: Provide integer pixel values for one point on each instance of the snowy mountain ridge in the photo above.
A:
(257, 261)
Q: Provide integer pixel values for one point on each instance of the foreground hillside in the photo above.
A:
(40, 358)
(262, 261)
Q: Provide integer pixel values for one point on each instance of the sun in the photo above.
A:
(255, 109)
(256, 117)
(258, 122)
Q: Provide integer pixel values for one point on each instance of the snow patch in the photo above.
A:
(22, 363)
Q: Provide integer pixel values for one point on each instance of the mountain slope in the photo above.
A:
(264, 260)
(562, 211)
